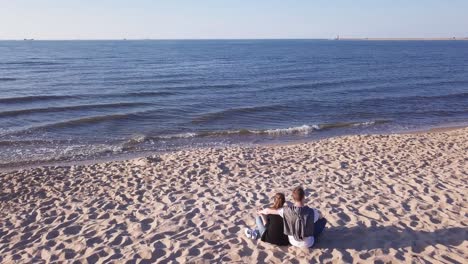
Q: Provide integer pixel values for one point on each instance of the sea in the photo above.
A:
(79, 101)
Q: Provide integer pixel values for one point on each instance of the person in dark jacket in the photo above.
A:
(270, 226)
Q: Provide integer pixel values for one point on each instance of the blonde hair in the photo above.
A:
(298, 194)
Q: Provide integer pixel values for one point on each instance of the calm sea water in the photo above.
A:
(81, 100)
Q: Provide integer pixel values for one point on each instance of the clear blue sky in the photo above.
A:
(174, 19)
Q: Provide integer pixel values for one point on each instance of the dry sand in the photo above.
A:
(397, 198)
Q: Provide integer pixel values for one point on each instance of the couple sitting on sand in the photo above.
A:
(296, 224)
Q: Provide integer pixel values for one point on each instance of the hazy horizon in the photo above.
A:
(183, 19)
(213, 39)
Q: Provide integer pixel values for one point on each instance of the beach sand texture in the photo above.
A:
(389, 198)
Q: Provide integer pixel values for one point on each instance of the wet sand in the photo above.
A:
(390, 198)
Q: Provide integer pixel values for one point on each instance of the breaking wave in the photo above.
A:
(297, 130)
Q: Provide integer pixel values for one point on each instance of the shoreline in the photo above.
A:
(387, 198)
(128, 156)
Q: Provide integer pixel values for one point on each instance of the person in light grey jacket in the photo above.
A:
(299, 221)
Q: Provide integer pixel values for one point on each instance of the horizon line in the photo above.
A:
(267, 38)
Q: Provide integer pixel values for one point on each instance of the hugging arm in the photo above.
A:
(264, 220)
(268, 211)
(320, 216)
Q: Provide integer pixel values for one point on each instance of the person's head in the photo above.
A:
(298, 194)
(278, 201)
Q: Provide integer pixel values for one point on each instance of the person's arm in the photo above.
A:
(264, 220)
(267, 211)
(317, 215)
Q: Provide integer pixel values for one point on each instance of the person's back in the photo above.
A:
(270, 226)
(302, 224)
(274, 233)
(299, 221)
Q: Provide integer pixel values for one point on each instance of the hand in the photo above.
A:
(320, 214)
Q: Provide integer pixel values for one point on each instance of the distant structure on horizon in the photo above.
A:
(408, 39)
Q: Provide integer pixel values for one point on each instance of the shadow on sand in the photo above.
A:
(386, 237)
(363, 238)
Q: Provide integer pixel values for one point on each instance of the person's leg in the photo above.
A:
(319, 226)
(260, 226)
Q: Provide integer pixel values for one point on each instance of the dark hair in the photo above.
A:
(278, 201)
(298, 194)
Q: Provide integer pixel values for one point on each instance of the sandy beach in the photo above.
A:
(388, 198)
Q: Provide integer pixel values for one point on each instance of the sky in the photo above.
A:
(230, 19)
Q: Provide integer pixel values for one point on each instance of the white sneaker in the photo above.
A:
(248, 232)
(255, 234)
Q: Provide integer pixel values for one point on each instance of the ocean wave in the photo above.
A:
(139, 139)
(155, 93)
(416, 98)
(236, 111)
(33, 142)
(32, 63)
(386, 88)
(43, 150)
(353, 124)
(432, 97)
(158, 82)
(126, 79)
(181, 135)
(315, 85)
(68, 108)
(306, 129)
(76, 122)
(297, 130)
(443, 82)
(7, 79)
(32, 98)
(210, 87)
(87, 120)
(440, 113)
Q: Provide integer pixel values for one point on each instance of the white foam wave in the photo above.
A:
(304, 129)
(368, 123)
(181, 135)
